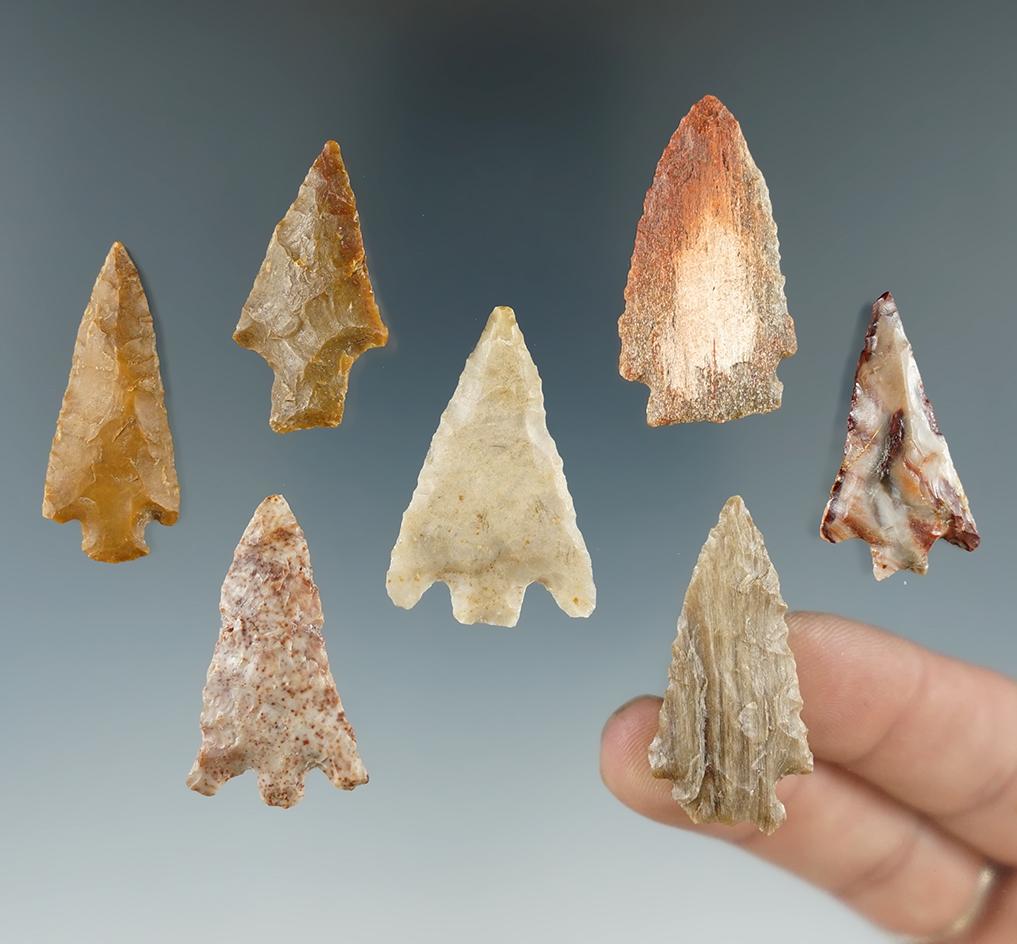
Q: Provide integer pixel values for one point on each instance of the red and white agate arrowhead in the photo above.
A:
(706, 321)
(897, 488)
(270, 702)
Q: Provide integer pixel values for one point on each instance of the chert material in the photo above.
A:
(897, 488)
(270, 702)
(111, 464)
(730, 726)
(706, 322)
(311, 312)
(492, 512)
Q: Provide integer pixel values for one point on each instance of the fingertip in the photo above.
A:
(635, 710)
(624, 766)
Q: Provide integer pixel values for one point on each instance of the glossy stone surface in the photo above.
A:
(492, 512)
(897, 488)
(111, 464)
(706, 322)
(311, 312)
(270, 703)
(730, 725)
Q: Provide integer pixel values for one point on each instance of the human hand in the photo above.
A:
(913, 802)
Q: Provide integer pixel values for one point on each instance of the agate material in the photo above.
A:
(111, 464)
(897, 488)
(730, 725)
(706, 322)
(311, 312)
(270, 703)
(492, 512)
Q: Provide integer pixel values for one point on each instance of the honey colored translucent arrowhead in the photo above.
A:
(270, 702)
(111, 465)
(492, 512)
(706, 322)
(730, 726)
(897, 488)
(311, 312)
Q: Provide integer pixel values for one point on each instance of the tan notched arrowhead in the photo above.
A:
(706, 322)
(730, 726)
(492, 512)
(311, 312)
(111, 465)
(270, 702)
(897, 488)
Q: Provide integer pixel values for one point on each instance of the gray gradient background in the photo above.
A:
(499, 156)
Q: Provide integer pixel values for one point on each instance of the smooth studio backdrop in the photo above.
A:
(500, 154)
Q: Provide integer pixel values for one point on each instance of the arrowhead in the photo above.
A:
(897, 488)
(311, 312)
(706, 322)
(111, 464)
(730, 725)
(270, 702)
(492, 512)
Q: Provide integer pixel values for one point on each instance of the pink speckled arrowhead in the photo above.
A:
(270, 702)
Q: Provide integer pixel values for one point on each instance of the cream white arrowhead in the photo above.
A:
(492, 512)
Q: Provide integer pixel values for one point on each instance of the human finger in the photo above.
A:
(932, 732)
(886, 861)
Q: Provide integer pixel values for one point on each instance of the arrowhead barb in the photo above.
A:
(897, 488)
(311, 312)
(706, 322)
(492, 512)
(270, 702)
(111, 465)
